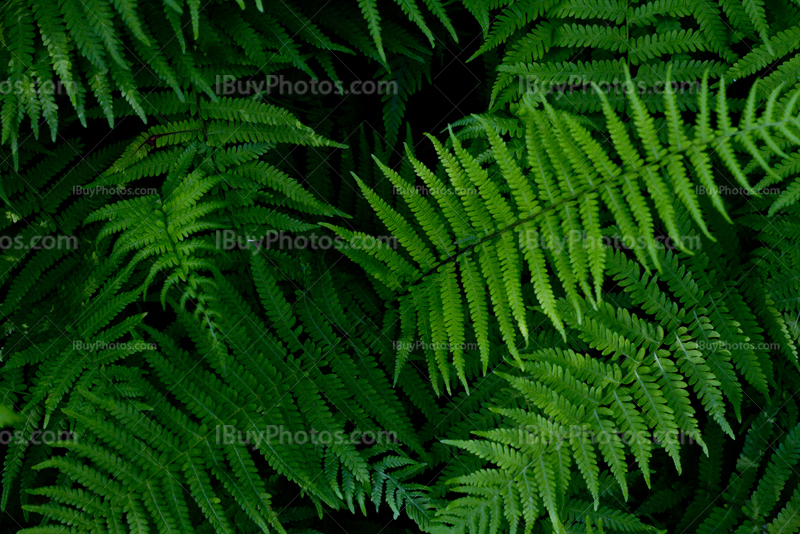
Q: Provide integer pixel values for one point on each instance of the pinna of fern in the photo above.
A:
(472, 236)
(571, 44)
(761, 493)
(204, 153)
(572, 409)
(164, 250)
(99, 51)
(177, 443)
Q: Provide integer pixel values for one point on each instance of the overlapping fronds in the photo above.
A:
(577, 311)
(540, 212)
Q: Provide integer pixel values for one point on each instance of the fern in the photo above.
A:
(558, 153)
(228, 307)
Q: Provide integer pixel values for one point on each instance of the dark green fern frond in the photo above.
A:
(550, 215)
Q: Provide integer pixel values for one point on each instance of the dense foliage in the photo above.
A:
(243, 291)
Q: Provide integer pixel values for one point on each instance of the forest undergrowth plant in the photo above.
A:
(232, 306)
